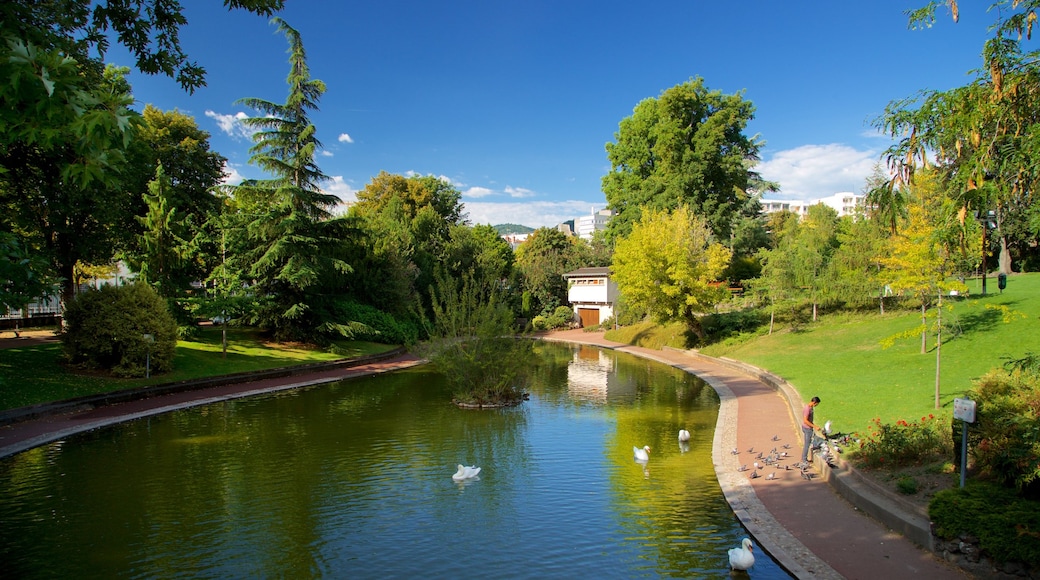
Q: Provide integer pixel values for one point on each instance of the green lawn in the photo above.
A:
(31, 375)
(841, 359)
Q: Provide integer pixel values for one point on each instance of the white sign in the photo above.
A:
(964, 409)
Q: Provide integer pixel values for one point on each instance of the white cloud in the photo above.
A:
(325, 153)
(817, 171)
(533, 214)
(519, 192)
(232, 176)
(232, 124)
(341, 189)
(344, 138)
(477, 192)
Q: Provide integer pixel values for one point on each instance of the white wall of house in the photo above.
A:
(591, 289)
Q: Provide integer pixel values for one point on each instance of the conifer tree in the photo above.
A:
(295, 245)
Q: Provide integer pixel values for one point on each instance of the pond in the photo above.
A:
(353, 479)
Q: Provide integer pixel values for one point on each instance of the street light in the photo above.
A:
(149, 339)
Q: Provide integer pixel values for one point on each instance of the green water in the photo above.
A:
(353, 480)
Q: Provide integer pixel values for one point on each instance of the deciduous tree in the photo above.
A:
(670, 265)
(686, 147)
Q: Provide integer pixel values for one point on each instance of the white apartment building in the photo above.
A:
(845, 203)
(587, 225)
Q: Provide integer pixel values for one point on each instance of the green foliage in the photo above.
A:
(906, 485)
(903, 443)
(1007, 526)
(686, 147)
(562, 317)
(719, 326)
(364, 322)
(1008, 428)
(471, 343)
(650, 335)
(669, 265)
(981, 136)
(542, 260)
(23, 275)
(106, 328)
(291, 245)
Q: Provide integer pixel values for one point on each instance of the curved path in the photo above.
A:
(803, 524)
(807, 527)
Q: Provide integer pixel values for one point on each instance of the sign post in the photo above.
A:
(964, 409)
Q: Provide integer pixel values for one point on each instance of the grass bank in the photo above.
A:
(842, 358)
(34, 374)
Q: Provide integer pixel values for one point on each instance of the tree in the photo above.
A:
(62, 193)
(686, 147)
(541, 261)
(162, 247)
(295, 245)
(854, 271)
(984, 136)
(670, 265)
(917, 264)
(149, 29)
(471, 343)
(813, 247)
(23, 276)
(408, 221)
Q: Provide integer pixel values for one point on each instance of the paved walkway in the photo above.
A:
(803, 524)
(807, 527)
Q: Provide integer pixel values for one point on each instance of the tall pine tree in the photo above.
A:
(295, 245)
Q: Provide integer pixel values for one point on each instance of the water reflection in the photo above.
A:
(354, 479)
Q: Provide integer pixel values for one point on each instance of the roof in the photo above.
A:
(599, 271)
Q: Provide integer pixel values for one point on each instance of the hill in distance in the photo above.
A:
(506, 229)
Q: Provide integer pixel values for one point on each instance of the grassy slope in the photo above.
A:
(31, 375)
(840, 358)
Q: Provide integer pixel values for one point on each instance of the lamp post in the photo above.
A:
(986, 225)
(148, 340)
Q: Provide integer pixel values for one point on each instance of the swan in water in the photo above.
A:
(741, 558)
(684, 435)
(642, 454)
(466, 472)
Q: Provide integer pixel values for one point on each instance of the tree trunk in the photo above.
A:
(924, 328)
(938, 347)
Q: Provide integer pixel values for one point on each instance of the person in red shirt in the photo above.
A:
(808, 428)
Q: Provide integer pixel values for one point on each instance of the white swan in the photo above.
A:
(642, 454)
(684, 435)
(741, 558)
(465, 472)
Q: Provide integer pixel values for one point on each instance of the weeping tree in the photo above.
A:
(294, 247)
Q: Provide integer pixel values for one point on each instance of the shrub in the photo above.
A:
(562, 316)
(906, 485)
(1007, 526)
(105, 330)
(902, 443)
(1007, 426)
(356, 321)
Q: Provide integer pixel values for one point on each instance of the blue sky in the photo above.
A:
(514, 102)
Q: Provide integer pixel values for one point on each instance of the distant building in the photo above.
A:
(592, 294)
(845, 203)
(587, 225)
(515, 240)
